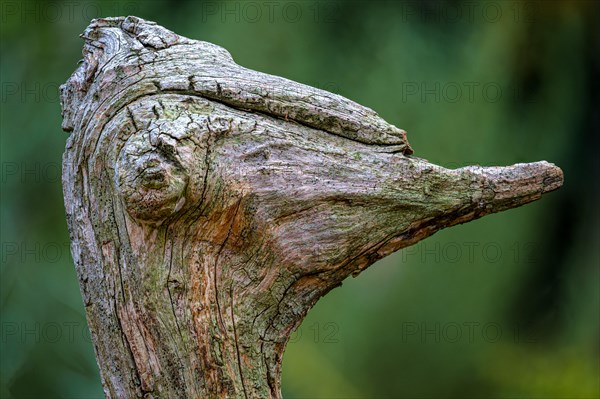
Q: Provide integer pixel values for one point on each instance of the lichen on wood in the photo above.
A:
(210, 206)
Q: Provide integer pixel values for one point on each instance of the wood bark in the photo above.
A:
(210, 206)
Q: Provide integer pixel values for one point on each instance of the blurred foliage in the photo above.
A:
(507, 306)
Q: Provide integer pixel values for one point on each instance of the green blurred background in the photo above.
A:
(503, 307)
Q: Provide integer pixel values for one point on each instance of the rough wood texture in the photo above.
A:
(210, 207)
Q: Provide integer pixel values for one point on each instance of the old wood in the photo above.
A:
(210, 206)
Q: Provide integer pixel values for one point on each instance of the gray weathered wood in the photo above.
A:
(210, 206)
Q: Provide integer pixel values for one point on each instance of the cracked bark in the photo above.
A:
(210, 207)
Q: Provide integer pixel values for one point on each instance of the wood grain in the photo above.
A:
(210, 206)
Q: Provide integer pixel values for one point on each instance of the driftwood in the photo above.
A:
(210, 206)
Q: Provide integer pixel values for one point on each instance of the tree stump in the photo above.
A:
(210, 206)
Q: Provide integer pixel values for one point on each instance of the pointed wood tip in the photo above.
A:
(512, 186)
